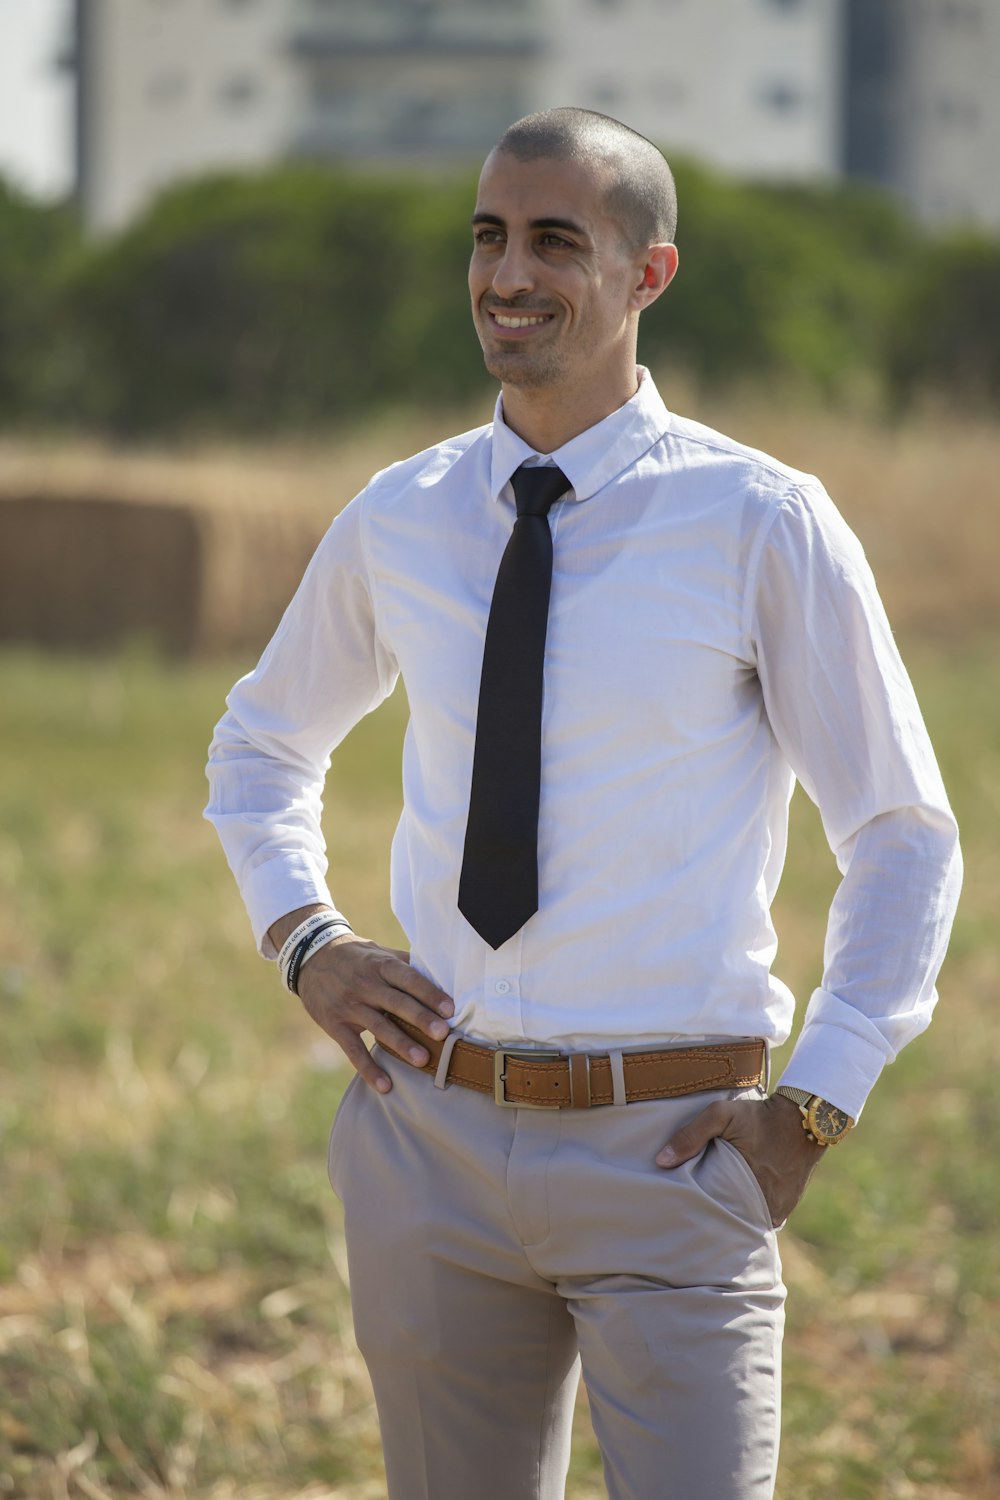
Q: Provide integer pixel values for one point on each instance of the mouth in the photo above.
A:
(513, 324)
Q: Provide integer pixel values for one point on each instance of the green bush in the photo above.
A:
(299, 297)
(289, 299)
(786, 284)
(37, 242)
(945, 337)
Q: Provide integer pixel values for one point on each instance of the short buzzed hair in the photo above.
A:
(641, 194)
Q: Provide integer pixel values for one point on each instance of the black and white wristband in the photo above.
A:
(328, 921)
(310, 945)
(311, 924)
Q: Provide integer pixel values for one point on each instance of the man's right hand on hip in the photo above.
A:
(353, 985)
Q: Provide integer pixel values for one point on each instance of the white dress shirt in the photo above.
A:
(714, 633)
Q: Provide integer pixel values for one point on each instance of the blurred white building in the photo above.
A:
(894, 90)
(171, 88)
(922, 111)
(749, 84)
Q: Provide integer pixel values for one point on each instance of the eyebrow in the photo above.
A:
(546, 223)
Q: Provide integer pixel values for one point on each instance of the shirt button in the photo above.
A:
(502, 986)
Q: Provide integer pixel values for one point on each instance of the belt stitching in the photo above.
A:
(685, 1054)
(641, 1058)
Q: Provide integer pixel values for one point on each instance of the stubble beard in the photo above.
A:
(523, 369)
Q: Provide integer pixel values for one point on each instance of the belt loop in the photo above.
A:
(579, 1080)
(617, 1077)
(766, 1082)
(441, 1072)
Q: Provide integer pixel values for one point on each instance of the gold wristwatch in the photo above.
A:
(822, 1121)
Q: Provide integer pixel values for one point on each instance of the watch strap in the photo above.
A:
(800, 1097)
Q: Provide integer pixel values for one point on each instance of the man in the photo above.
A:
(595, 809)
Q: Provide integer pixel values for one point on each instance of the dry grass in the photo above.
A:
(312, 474)
(90, 570)
(923, 496)
(198, 550)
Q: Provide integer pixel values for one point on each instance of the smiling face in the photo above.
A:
(556, 292)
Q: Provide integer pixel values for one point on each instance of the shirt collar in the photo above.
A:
(594, 457)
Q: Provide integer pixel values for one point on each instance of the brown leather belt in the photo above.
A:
(554, 1080)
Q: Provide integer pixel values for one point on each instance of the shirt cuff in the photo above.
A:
(839, 1054)
(278, 886)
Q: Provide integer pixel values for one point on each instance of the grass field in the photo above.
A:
(173, 1309)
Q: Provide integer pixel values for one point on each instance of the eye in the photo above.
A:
(485, 236)
(553, 241)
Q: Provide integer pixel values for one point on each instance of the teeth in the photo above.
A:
(507, 321)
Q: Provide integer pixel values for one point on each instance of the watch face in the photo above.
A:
(827, 1122)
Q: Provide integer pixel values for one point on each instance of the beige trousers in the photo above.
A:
(492, 1251)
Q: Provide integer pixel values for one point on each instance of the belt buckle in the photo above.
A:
(500, 1057)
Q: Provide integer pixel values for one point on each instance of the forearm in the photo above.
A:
(284, 926)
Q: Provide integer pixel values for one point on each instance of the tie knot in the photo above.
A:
(536, 489)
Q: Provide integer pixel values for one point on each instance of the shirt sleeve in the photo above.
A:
(845, 716)
(325, 668)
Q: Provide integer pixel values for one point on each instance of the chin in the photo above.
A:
(515, 368)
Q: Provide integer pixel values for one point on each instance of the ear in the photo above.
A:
(657, 271)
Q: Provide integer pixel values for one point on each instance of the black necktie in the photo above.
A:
(498, 889)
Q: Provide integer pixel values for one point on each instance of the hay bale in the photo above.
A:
(90, 571)
(253, 560)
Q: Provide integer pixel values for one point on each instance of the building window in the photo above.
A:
(325, 93)
(947, 206)
(414, 123)
(668, 92)
(960, 13)
(960, 113)
(238, 92)
(166, 88)
(605, 95)
(783, 98)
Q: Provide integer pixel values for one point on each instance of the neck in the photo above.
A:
(548, 419)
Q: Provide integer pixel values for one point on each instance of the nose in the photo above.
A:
(513, 275)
